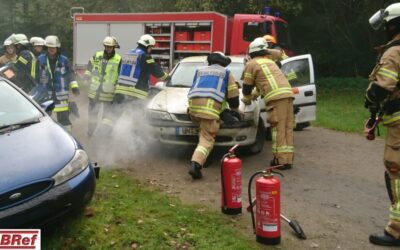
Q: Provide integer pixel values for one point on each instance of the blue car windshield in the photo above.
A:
(14, 107)
(184, 73)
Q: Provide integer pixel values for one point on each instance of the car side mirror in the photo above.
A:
(48, 105)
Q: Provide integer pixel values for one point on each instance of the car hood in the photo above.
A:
(34, 152)
(171, 100)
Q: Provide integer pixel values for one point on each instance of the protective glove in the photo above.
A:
(236, 114)
(76, 91)
(246, 99)
(255, 94)
(372, 107)
(229, 117)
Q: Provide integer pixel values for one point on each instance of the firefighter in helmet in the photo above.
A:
(102, 72)
(26, 60)
(273, 48)
(55, 73)
(263, 74)
(383, 97)
(212, 87)
(136, 68)
(37, 45)
(9, 53)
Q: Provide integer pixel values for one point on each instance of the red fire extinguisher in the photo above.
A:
(231, 182)
(267, 225)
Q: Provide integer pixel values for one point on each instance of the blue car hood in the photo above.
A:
(34, 152)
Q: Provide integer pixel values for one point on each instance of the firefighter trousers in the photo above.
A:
(392, 164)
(106, 118)
(281, 118)
(207, 133)
(63, 119)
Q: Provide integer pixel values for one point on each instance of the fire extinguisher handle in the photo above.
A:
(232, 149)
(278, 173)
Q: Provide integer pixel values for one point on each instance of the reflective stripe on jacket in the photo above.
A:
(105, 79)
(276, 88)
(61, 81)
(28, 60)
(131, 67)
(210, 82)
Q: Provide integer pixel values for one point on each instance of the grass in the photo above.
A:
(125, 215)
(340, 104)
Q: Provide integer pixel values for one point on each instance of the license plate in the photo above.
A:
(188, 131)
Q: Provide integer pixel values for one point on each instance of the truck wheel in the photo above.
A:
(260, 139)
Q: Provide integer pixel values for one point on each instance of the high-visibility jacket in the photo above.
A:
(268, 79)
(59, 82)
(136, 68)
(212, 86)
(210, 82)
(386, 74)
(27, 61)
(104, 76)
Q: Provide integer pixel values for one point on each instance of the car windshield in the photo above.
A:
(14, 107)
(184, 73)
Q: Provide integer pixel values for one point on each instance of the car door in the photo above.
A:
(299, 70)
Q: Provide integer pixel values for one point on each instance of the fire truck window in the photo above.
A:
(252, 30)
(282, 34)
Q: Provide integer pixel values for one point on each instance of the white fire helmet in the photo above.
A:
(20, 39)
(52, 42)
(37, 41)
(258, 44)
(7, 42)
(147, 40)
(383, 16)
(111, 41)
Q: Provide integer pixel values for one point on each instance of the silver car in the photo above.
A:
(170, 123)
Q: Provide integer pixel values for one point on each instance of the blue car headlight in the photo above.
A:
(79, 162)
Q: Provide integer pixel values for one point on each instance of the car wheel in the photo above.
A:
(301, 126)
(260, 139)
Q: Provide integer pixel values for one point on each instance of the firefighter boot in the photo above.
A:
(384, 239)
(195, 170)
(284, 167)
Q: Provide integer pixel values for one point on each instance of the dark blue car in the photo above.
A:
(44, 171)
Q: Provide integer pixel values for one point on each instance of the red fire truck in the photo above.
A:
(178, 34)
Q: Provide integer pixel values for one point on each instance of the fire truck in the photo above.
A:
(178, 34)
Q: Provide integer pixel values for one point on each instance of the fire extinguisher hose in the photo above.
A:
(250, 199)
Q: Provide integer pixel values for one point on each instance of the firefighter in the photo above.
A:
(102, 72)
(54, 72)
(274, 49)
(212, 86)
(136, 68)
(383, 97)
(9, 53)
(26, 61)
(37, 45)
(262, 73)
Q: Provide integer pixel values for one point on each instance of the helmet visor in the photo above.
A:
(377, 20)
